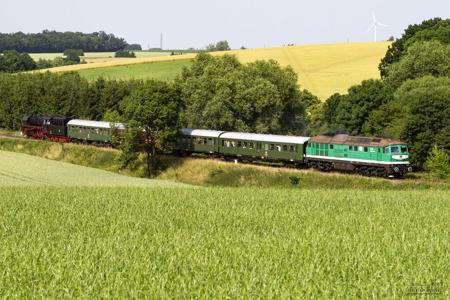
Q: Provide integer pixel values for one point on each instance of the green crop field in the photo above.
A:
(165, 70)
(68, 231)
(204, 243)
(21, 170)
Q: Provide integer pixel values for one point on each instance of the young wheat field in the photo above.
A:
(142, 239)
(220, 243)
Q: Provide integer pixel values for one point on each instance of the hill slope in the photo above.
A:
(22, 170)
(323, 69)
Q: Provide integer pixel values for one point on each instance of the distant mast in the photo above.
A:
(161, 41)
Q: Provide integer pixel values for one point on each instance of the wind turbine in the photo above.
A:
(374, 26)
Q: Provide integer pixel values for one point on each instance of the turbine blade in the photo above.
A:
(381, 24)
(373, 17)
(371, 27)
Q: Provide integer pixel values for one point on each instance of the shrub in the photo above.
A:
(438, 163)
(125, 53)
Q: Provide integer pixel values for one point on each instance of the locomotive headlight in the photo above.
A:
(400, 157)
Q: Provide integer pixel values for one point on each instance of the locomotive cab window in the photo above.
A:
(394, 149)
(404, 149)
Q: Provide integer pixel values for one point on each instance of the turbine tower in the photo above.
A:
(374, 26)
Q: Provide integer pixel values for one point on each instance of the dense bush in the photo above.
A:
(13, 61)
(124, 53)
(52, 41)
(438, 163)
(133, 47)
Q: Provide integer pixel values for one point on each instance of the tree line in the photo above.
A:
(55, 42)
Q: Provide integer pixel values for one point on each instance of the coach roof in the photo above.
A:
(287, 139)
(201, 132)
(94, 124)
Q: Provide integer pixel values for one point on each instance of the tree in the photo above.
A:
(13, 61)
(73, 52)
(133, 47)
(221, 93)
(350, 112)
(72, 55)
(422, 58)
(125, 53)
(152, 114)
(219, 46)
(438, 163)
(433, 29)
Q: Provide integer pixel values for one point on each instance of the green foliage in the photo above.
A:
(125, 53)
(152, 114)
(419, 114)
(221, 93)
(421, 59)
(219, 46)
(13, 61)
(73, 52)
(433, 29)
(349, 112)
(438, 163)
(54, 42)
(64, 94)
(133, 47)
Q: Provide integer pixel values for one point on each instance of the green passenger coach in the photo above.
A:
(199, 141)
(252, 146)
(366, 155)
(91, 131)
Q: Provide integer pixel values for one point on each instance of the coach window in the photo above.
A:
(266, 147)
(292, 148)
(272, 147)
(386, 150)
(331, 147)
(239, 144)
(210, 142)
(366, 149)
(361, 148)
(285, 148)
(244, 144)
(278, 148)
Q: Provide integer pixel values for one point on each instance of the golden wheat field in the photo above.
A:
(323, 69)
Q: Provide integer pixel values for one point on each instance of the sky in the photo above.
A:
(196, 23)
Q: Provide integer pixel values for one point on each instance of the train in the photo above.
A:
(370, 156)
